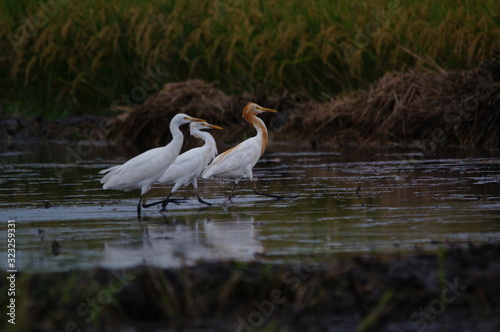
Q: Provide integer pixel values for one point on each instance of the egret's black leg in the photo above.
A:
(202, 201)
(199, 198)
(164, 201)
(262, 194)
(232, 191)
(139, 208)
(151, 204)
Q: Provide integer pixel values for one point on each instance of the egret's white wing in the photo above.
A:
(187, 166)
(236, 161)
(107, 170)
(141, 170)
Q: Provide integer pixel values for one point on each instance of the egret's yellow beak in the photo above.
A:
(208, 125)
(263, 109)
(188, 118)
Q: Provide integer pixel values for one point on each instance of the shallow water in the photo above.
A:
(344, 201)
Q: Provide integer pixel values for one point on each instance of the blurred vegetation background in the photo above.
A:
(62, 58)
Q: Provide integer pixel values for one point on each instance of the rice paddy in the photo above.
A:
(65, 58)
(398, 226)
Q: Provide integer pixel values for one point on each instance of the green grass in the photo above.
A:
(84, 56)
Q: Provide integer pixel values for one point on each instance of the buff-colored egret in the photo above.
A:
(142, 171)
(238, 162)
(188, 166)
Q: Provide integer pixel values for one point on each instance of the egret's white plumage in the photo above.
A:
(188, 166)
(238, 162)
(142, 171)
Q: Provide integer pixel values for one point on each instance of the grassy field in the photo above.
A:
(64, 58)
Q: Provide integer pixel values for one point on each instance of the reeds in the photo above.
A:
(76, 57)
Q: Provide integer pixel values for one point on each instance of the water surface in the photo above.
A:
(340, 201)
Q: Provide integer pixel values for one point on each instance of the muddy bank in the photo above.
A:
(24, 129)
(430, 108)
(417, 292)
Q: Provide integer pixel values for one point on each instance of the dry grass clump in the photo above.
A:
(428, 108)
(148, 125)
(431, 108)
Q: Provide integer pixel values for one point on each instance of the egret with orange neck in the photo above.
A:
(238, 162)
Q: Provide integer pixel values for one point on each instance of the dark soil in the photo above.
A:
(430, 292)
(40, 129)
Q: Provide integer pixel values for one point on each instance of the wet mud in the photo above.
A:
(456, 288)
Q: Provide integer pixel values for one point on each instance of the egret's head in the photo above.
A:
(254, 109)
(193, 120)
(201, 126)
(195, 128)
(184, 118)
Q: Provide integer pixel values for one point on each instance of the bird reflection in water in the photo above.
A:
(186, 240)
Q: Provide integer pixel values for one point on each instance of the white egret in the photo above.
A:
(188, 166)
(142, 171)
(239, 161)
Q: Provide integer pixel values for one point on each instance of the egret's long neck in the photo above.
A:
(259, 125)
(177, 138)
(208, 139)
